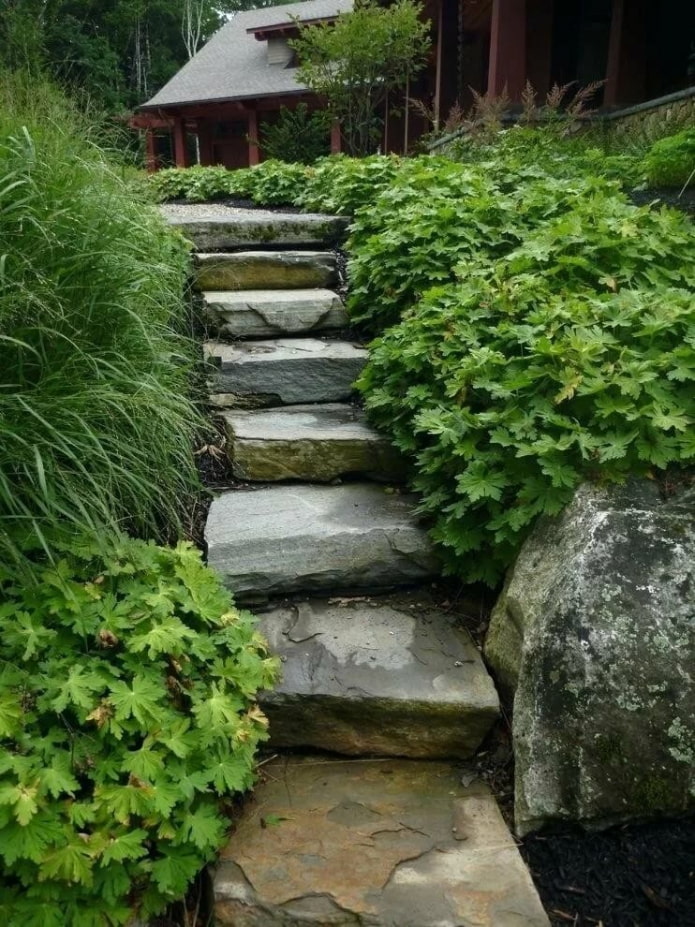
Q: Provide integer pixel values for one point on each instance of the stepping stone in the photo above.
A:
(269, 313)
(316, 443)
(266, 270)
(384, 843)
(214, 232)
(285, 371)
(284, 539)
(393, 676)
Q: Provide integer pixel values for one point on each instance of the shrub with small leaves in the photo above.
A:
(126, 720)
(340, 185)
(671, 161)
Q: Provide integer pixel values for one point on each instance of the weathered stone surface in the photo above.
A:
(294, 538)
(269, 313)
(596, 632)
(316, 443)
(387, 676)
(286, 371)
(256, 227)
(372, 843)
(266, 270)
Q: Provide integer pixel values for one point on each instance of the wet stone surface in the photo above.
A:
(378, 676)
(272, 313)
(283, 539)
(315, 443)
(286, 371)
(266, 270)
(383, 843)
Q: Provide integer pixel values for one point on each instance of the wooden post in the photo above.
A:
(625, 71)
(336, 145)
(254, 151)
(438, 74)
(180, 150)
(150, 151)
(539, 44)
(507, 49)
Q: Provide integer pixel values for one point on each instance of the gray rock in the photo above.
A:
(269, 313)
(316, 443)
(388, 677)
(294, 538)
(244, 229)
(286, 371)
(374, 843)
(595, 631)
(266, 270)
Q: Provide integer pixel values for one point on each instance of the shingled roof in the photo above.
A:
(233, 65)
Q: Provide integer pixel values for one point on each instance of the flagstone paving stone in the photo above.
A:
(375, 843)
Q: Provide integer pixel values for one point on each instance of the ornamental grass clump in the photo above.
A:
(95, 423)
(127, 723)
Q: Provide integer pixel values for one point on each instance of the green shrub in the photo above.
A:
(273, 183)
(671, 161)
(95, 423)
(195, 184)
(298, 136)
(507, 391)
(339, 185)
(126, 721)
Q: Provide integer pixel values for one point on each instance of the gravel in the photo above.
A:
(202, 211)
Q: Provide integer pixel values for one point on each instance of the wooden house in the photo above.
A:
(212, 110)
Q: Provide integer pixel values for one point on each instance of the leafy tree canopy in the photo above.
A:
(356, 61)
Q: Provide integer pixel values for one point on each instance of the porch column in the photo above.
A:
(150, 151)
(539, 44)
(507, 49)
(254, 153)
(205, 141)
(335, 137)
(625, 71)
(180, 151)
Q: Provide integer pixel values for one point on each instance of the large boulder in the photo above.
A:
(595, 635)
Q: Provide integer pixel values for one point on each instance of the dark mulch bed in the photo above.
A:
(663, 197)
(631, 876)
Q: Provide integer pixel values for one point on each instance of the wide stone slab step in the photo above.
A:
(223, 229)
(283, 539)
(285, 371)
(384, 843)
(266, 270)
(315, 443)
(272, 313)
(387, 676)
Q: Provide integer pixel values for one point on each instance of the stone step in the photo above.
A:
(285, 371)
(266, 270)
(315, 443)
(283, 539)
(223, 228)
(388, 843)
(273, 313)
(386, 676)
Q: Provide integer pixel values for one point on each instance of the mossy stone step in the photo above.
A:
(243, 229)
(384, 843)
(273, 313)
(266, 270)
(381, 676)
(314, 443)
(281, 539)
(284, 371)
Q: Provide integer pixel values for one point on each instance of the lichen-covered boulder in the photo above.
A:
(595, 635)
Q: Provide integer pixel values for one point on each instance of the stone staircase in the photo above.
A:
(333, 554)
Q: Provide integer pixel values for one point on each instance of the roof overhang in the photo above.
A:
(289, 30)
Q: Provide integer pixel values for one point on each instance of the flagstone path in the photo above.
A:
(392, 836)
